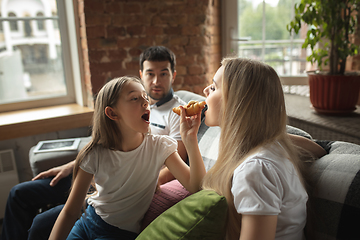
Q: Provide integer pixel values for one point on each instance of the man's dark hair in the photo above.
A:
(158, 54)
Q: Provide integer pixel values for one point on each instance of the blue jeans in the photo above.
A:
(91, 226)
(21, 220)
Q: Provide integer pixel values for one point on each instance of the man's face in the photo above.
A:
(157, 78)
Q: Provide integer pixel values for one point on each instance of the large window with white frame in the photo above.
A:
(39, 61)
(257, 29)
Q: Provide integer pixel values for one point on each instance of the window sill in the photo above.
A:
(42, 120)
(322, 127)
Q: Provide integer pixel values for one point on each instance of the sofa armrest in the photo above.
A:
(43, 161)
(334, 200)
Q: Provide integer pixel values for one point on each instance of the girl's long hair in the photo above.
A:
(252, 115)
(104, 130)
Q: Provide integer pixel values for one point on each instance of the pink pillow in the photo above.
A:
(169, 194)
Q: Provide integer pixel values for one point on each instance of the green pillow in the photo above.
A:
(200, 216)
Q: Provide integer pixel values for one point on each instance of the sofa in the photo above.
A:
(334, 201)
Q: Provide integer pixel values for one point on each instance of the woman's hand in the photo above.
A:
(59, 173)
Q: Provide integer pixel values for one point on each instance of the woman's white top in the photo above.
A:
(266, 183)
(126, 181)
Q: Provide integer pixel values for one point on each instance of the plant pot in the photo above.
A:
(334, 94)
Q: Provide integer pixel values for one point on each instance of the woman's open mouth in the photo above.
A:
(204, 110)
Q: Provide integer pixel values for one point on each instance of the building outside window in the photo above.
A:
(13, 23)
(36, 65)
(41, 23)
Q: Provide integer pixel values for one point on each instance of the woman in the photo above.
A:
(258, 170)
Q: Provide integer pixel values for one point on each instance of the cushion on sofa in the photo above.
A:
(297, 131)
(186, 96)
(334, 210)
(208, 140)
(199, 216)
(169, 194)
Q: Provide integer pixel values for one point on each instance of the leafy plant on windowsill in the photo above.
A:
(332, 24)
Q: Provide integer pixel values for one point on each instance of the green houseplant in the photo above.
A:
(331, 27)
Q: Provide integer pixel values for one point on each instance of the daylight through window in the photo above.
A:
(31, 51)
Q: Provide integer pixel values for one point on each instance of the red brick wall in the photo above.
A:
(114, 33)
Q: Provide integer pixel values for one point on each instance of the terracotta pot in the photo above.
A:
(334, 94)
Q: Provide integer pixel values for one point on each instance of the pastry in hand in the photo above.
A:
(192, 108)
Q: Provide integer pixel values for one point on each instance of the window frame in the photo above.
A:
(71, 62)
(230, 39)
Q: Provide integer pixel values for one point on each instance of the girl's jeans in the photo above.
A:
(91, 226)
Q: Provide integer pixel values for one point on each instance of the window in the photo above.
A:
(13, 24)
(56, 25)
(40, 23)
(39, 64)
(257, 30)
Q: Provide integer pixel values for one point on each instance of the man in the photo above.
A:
(21, 221)
(157, 70)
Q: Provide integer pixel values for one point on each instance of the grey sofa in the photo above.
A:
(334, 210)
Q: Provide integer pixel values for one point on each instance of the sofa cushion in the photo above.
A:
(297, 131)
(169, 194)
(208, 140)
(186, 96)
(334, 206)
(199, 216)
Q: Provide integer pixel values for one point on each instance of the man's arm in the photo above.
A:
(59, 173)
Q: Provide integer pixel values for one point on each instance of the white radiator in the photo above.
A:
(8, 177)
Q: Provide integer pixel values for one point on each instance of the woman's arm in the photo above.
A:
(258, 227)
(72, 208)
(309, 146)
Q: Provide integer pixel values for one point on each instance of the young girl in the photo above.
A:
(124, 162)
(258, 169)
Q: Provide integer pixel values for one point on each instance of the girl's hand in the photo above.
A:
(190, 177)
(189, 127)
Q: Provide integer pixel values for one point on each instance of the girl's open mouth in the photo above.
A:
(146, 116)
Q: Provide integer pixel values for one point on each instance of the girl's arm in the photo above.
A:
(190, 178)
(258, 227)
(72, 208)
(165, 174)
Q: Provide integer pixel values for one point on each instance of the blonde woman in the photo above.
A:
(124, 161)
(258, 169)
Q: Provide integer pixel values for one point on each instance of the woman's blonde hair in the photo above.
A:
(252, 115)
(104, 130)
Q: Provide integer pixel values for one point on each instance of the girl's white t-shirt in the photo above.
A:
(266, 183)
(126, 181)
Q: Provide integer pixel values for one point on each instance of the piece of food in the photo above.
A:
(192, 108)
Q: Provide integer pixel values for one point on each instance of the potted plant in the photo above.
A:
(332, 24)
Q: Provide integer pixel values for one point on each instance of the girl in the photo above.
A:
(258, 169)
(124, 162)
